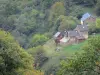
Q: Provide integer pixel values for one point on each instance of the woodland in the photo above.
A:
(26, 31)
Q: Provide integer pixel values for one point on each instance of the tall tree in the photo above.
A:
(98, 7)
(57, 9)
(39, 56)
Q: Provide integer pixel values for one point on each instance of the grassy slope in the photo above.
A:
(55, 56)
(74, 48)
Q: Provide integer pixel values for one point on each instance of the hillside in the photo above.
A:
(63, 53)
(28, 45)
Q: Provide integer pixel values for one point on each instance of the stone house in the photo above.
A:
(79, 34)
(74, 37)
(82, 30)
(87, 18)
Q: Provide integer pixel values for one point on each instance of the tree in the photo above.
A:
(57, 9)
(39, 56)
(75, 12)
(98, 7)
(69, 4)
(66, 23)
(43, 4)
(79, 1)
(38, 39)
(86, 2)
(98, 23)
(8, 9)
(25, 23)
(88, 63)
(13, 59)
(90, 2)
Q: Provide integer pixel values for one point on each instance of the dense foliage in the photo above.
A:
(88, 63)
(26, 18)
(39, 56)
(14, 60)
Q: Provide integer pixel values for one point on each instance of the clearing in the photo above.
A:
(63, 53)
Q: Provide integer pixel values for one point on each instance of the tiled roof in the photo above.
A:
(85, 16)
(57, 34)
(73, 33)
(64, 33)
(82, 28)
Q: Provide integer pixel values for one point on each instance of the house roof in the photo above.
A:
(64, 33)
(57, 34)
(73, 33)
(85, 16)
(82, 27)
